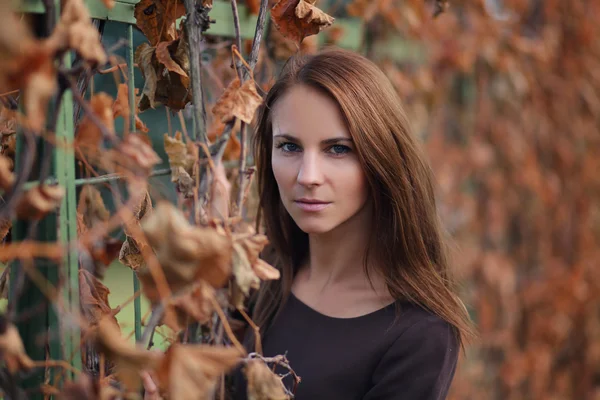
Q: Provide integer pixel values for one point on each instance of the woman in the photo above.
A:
(365, 308)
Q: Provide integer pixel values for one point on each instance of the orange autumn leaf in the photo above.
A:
(76, 31)
(233, 148)
(7, 178)
(263, 384)
(182, 158)
(194, 305)
(297, 19)
(121, 108)
(130, 253)
(164, 57)
(12, 351)
(88, 135)
(110, 4)
(186, 253)
(129, 359)
(238, 102)
(39, 201)
(190, 372)
(253, 6)
(157, 19)
(93, 296)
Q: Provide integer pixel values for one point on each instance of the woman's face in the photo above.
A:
(320, 179)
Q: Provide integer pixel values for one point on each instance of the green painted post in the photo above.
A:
(137, 305)
(65, 174)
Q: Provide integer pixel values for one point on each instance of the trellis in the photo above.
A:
(61, 226)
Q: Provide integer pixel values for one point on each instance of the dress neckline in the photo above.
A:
(360, 317)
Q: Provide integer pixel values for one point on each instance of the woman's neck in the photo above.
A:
(337, 257)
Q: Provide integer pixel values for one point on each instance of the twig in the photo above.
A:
(197, 21)
(280, 360)
(226, 325)
(260, 28)
(157, 314)
(256, 328)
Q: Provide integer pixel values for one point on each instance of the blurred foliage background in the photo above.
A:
(505, 95)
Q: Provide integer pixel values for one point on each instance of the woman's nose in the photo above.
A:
(310, 172)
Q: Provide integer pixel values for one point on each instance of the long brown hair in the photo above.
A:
(409, 250)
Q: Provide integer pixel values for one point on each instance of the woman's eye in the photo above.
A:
(339, 149)
(288, 147)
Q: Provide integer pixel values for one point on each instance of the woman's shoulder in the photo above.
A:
(419, 329)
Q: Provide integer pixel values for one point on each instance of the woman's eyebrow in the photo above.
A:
(326, 141)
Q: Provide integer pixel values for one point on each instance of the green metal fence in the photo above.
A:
(34, 321)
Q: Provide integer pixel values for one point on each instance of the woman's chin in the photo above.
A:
(313, 227)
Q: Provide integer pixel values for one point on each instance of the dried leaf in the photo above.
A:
(133, 158)
(27, 65)
(94, 299)
(186, 253)
(7, 178)
(182, 158)
(233, 148)
(12, 351)
(5, 226)
(165, 69)
(263, 384)
(238, 102)
(190, 372)
(157, 19)
(144, 55)
(164, 57)
(39, 201)
(121, 108)
(91, 207)
(76, 31)
(194, 305)
(131, 254)
(87, 389)
(244, 274)
(297, 19)
(129, 360)
(253, 6)
(110, 4)
(253, 245)
(88, 136)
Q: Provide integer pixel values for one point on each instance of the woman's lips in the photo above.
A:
(311, 206)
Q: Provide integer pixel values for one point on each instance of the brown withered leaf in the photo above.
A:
(157, 19)
(253, 245)
(297, 19)
(193, 305)
(263, 384)
(186, 253)
(233, 148)
(39, 201)
(163, 56)
(93, 296)
(133, 158)
(130, 254)
(121, 108)
(129, 360)
(144, 56)
(5, 226)
(182, 158)
(91, 207)
(26, 65)
(190, 372)
(253, 6)
(165, 69)
(12, 351)
(76, 31)
(7, 178)
(87, 389)
(244, 274)
(238, 102)
(110, 4)
(88, 136)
